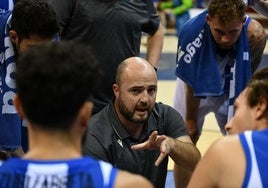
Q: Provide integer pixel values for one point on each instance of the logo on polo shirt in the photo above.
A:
(120, 142)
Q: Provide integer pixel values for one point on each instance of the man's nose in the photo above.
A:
(144, 97)
(225, 38)
(228, 127)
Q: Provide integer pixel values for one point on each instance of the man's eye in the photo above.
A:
(152, 91)
(135, 91)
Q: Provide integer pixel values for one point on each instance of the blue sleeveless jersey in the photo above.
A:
(6, 5)
(75, 173)
(10, 122)
(254, 145)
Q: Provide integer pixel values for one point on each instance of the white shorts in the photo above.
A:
(217, 105)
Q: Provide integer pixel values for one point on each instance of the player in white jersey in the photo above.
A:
(54, 84)
(240, 160)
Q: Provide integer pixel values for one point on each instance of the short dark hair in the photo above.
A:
(258, 88)
(34, 17)
(54, 80)
(227, 10)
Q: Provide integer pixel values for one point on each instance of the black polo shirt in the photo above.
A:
(108, 140)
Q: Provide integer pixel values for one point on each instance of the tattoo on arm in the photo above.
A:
(257, 40)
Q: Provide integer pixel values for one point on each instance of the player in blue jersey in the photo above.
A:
(215, 61)
(30, 22)
(6, 5)
(240, 160)
(55, 82)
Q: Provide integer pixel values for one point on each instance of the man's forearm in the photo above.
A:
(154, 46)
(184, 154)
(192, 104)
(192, 107)
(257, 41)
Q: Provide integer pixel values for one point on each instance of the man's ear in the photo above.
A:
(14, 36)
(261, 109)
(18, 106)
(115, 89)
(207, 19)
(85, 113)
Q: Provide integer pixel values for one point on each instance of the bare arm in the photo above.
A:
(223, 165)
(192, 106)
(206, 173)
(128, 180)
(257, 42)
(185, 155)
(183, 152)
(154, 46)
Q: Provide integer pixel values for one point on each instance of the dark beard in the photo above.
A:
(129, 115)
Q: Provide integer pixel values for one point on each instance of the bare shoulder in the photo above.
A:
(257, 42)
(256, 31)
(227, 148)
(222, 149)
(128, 180)
(231, 141)
(222, 161)
(232, 160)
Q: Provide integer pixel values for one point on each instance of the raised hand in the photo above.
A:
(156, 142)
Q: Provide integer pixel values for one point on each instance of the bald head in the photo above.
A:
(135, 66)
(135, 90)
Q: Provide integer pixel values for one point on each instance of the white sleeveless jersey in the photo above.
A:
(254, 144)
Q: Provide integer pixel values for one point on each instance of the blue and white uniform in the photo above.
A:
(6, 5)
(82, 172)
(10, 122)
(254, 145)
(216, 79)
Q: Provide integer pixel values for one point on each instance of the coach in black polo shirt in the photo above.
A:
(136, 134)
